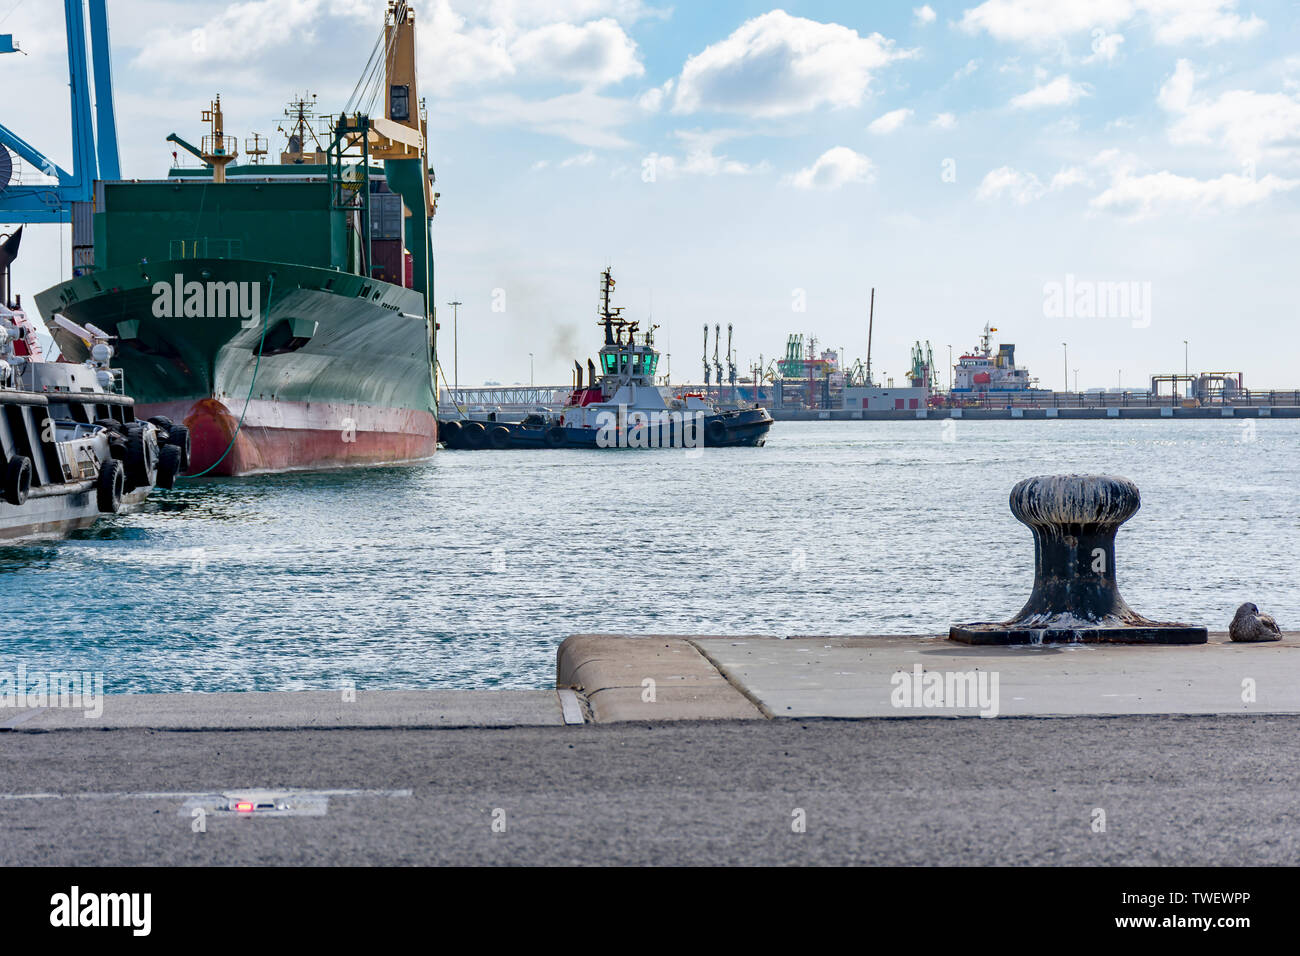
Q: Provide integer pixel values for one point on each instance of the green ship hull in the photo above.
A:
(243, 310)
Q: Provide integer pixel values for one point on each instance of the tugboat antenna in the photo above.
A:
(609, 316)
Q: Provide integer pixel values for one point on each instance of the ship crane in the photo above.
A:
(717, 342)
(706, 356)
(731, 364)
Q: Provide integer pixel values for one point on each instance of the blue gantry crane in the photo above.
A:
(94, 129)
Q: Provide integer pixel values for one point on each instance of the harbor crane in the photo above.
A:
(94, 128)
(706, 356)
(717, 342)
(731, 363)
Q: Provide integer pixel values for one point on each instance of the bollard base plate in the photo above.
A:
(1140, 634)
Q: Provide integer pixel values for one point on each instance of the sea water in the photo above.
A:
(468, 570)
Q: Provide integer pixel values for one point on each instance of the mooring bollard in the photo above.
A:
(1075, 599)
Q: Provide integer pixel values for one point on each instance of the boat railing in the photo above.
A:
(206, 247)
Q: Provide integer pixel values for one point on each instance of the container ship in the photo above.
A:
(281, 311)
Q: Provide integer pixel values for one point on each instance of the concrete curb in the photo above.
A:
(712, 677)
(300, 710)
(856, 677)
(648, 678)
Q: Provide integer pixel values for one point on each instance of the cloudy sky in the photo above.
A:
(766, 167)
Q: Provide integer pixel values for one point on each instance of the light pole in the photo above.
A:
(1065, 362)
(950, 368)
(530, 369)
(1186, 372)
(455, 342)
(1076, 381)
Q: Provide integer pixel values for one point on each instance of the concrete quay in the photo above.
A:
(859, 677)
(1113, 413)
(691, 750)
(616, 679)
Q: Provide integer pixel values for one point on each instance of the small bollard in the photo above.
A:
(1075, 599)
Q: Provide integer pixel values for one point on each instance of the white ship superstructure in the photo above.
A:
(984, 371)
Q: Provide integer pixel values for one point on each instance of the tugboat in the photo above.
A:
(71, 446)
(622, 407)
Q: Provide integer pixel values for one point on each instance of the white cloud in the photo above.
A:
(585, 118)
(1140, 196)
(1291, 73)
(1178, 21)
(836, 167)
(1069, 176)
(524, 14)
(887, 123)
(701, 160)
(944, 121)
(581, 159)
(1251, 125)
(466, 45)
(925, 15)
(653, 99)
(965, 71)
(243, 33)
(1171, 21)
(580, 43)
(1023, 188)
(1105, 46)
(779, 65)
(454, 53)
(1061, 91)
(594, 54)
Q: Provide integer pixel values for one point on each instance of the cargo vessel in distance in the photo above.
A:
(282, 312)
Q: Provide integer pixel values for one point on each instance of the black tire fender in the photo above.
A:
(18, 480)
(141, 457)
(169, 466)
(474, 435)
(110, 487)
(499, 438)
(716, 431)
(449, 433)
(179, 436)
(555, 436)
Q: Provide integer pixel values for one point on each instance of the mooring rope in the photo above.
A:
(266, 317)
(450, 390)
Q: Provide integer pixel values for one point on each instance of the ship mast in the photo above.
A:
(217, 149)
(300, 113)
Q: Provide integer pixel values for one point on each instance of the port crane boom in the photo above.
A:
(94, 131)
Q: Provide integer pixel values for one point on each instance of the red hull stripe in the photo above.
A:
(291, 436)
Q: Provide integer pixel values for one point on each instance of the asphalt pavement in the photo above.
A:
(1163, 790)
